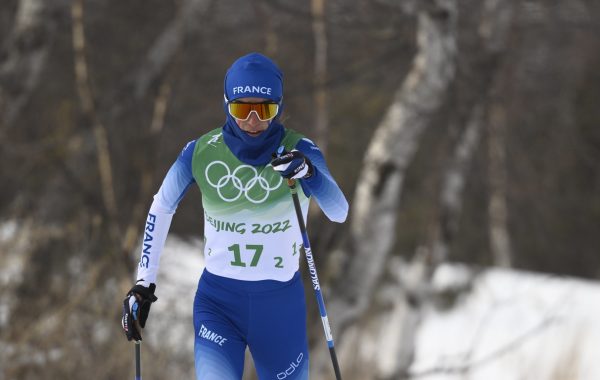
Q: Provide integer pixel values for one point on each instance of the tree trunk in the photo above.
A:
(389, 154)
(500, 245)
(493, 32)
(25, 52)
(264, 10)
(320, 91)
(159, 64)
(86, 98)
(168, 44)
(453, 185)
(498, 15)
(375, 206)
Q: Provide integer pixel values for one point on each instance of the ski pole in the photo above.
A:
(315, 279)
(138, 364)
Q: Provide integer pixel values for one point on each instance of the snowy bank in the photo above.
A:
(512, 325)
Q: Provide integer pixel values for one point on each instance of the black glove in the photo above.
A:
(136, 308)
(292, 164)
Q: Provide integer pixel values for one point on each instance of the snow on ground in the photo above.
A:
(513, 325)
(170, 321)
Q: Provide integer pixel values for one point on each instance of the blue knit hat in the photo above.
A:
(254, 75)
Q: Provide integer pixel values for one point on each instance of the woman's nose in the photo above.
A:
(253, 119)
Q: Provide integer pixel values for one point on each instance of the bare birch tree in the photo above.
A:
(500, 244)
(493, 34)
(320, 91)
(24, 56)
(375, 205)
(158, 67)
(390, 152)
(88, 106)
(270, 24)
(453, 185)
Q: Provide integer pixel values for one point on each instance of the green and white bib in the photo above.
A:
(250, 224)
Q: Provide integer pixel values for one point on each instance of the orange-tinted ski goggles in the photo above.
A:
(242, 111)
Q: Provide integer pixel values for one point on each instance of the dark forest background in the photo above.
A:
(98, 97)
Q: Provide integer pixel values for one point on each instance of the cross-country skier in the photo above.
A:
(250, 293)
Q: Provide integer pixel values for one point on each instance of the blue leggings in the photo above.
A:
(267, 316)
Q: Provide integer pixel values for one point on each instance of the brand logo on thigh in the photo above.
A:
(290, 370)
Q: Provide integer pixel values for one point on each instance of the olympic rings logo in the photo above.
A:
(256, 183)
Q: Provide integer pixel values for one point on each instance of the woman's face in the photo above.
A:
(253, 126)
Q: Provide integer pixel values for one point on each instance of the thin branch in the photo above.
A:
(24, 56)
(320, 79)
(87, 102)
(548, 320)
(156, 126)
(167, 45)
(492, 356)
